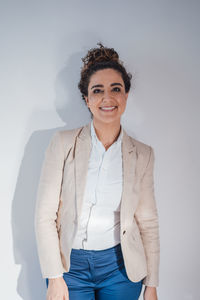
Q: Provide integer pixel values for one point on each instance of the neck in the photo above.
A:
(107, 133)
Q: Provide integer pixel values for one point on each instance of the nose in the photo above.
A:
(107, 95)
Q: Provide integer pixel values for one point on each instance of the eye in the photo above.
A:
(116, 89)
(96, 91)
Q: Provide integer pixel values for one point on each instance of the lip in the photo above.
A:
(108, 106)
(107, 111)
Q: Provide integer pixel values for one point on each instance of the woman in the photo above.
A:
(96, 219)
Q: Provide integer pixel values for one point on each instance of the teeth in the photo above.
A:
(108, 108)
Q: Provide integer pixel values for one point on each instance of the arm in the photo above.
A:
(150, 293)
(147, 219)
(47, 203)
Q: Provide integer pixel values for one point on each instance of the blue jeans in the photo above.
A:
(100, 275)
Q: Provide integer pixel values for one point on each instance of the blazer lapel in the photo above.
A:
(129, 157)
(82, 155)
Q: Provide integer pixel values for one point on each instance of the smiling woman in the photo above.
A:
(96, 217)
(106, 96)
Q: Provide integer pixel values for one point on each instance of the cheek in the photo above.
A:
(122, 101)
(93, 105)
(92, 99)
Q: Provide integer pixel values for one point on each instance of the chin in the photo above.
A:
(107, 119)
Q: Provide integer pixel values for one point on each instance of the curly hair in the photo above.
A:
(98, 59)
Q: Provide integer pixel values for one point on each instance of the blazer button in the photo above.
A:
(124, 231)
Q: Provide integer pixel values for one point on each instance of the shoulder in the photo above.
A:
(141, 147)
(144, 152)
(144, 157)
(62, 141)
(67, 136)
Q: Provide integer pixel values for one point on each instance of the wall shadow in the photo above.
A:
(74, 113)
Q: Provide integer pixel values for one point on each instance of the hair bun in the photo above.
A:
(101, 54)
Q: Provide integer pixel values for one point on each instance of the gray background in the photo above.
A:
(42, 43)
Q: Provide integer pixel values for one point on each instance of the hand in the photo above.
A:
(57, 289)
(150, 293)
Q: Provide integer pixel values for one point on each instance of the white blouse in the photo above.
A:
(99, 226)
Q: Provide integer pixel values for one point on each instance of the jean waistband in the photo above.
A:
(115, 249)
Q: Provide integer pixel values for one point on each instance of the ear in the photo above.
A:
(126, 95)
(86, 100)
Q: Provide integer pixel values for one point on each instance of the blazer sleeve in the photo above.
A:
(147, 218)
(47, 203)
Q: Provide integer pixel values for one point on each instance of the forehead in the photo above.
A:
(106, 76)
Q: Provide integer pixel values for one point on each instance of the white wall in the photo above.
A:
(42, 43)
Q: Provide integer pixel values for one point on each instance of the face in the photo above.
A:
(106, 96)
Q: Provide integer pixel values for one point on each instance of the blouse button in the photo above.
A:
(124, 231)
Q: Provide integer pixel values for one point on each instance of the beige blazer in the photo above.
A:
(60, 196)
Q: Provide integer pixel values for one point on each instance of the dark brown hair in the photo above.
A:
(98, 59)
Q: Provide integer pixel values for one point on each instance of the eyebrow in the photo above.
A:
(101, 85)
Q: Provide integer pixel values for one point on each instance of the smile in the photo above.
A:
(108, 108)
